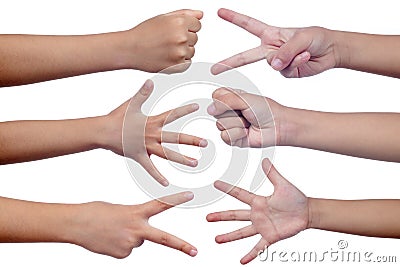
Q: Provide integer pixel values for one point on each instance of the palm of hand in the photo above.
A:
(281, 215)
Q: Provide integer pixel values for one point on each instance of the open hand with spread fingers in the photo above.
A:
(281, 215)
(295, 52)
(138, 136)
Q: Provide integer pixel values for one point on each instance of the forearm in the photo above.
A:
(32, 58)
(367, 135)
(22, 141)
(24, 221)
(379, 218)
(378, 54)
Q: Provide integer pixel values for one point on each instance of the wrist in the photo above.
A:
(67, 230)
(340, 48)
(287, 126)
(129, 52)
(109, 132)
(121, 52)
(313, 214)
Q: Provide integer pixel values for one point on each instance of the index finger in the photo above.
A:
(238, 60)
(177, 113)
(156, 206)
(226, 102)
(236, 192)
(250, 24)
(194, 25)
(163, 238)
(189, 12)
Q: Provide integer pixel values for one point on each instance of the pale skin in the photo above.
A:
(245, 122)
(22, 141)
(288, 211)
(100, 227)
(302, 52)
(28, 59)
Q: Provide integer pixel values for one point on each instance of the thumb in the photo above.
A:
(273, 175)
(142, 95)
(198, 14)
(289, 50)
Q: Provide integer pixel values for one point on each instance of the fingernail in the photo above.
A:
(211, 109)
(203, 143)
(147, 86)
(195, 106)
(215, 69)
(189, 195)
(277, 63)
(193, 252)
(193, 163)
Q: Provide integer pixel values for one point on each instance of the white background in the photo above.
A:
(100, 175)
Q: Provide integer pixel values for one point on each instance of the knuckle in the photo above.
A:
(233, 215)
(179, 53)
(164, 238)
(241, 234)
(236, 192)
(181, 38)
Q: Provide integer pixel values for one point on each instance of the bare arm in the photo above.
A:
(377, 54)
(28, 59)
(367, 135)
(379, 218)
(153, 45)
(22, 141)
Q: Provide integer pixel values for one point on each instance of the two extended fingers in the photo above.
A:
(160, 237)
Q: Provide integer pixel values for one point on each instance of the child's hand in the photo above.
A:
(115, 230)
(163, 41)
(295, 52)
(281, 215)
(137, 136)
(245, 119)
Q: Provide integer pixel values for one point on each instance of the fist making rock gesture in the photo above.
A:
(245, 120)
(295, 52)
(165, 40)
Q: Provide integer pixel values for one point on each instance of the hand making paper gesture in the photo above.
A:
(288, 211)
(276, 217)
(22, 141)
